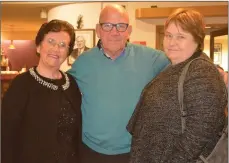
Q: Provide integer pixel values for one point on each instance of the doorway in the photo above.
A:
(219, 47)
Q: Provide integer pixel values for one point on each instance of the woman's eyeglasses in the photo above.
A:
(61, 45)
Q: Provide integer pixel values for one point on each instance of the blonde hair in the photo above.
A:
(190, 21)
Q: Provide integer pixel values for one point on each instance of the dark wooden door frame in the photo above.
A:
(159, 29)
(214, 34)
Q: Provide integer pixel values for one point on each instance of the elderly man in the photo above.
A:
(111, 77)
(81, 47)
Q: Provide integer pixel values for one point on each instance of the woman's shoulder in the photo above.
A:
(22, 78)
(73, 91)
(19, 86)
(71, 77)
(202, 70)
(203, 63)
(72, 80)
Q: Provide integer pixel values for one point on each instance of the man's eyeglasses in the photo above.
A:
(107, 27)
(61, 45)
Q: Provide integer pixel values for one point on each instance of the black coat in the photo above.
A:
(156, 122)
(41, 125)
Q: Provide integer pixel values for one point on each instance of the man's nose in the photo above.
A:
(114, 30)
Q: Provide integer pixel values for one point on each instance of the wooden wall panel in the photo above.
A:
(164, 12)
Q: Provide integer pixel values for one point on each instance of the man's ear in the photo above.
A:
(129, 30)
(97, 30)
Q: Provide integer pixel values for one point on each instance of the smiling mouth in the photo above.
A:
(54, 56)
(172, 50)
(115, 40)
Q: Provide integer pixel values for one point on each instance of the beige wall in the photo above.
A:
(223, 40)
(143, 30)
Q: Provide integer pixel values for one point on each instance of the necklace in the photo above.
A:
(47, 84)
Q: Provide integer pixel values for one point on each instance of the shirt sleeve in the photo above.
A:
(13, 104)
(204, 99)
(160, 63)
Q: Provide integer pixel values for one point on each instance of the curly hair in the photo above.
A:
(56, 26)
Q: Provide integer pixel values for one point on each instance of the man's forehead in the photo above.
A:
(114, 19)
(79, 39)
(114, 16)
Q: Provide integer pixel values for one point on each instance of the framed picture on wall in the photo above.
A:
(217, 53)
(85, 39)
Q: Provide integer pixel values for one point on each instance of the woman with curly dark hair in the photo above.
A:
(41, 117)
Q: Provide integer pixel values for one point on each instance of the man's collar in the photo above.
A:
(99, 45)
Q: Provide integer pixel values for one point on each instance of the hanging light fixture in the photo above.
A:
(11, 45)
(11, 41)
(43, 14)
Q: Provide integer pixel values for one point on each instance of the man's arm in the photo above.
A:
(160, 63)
